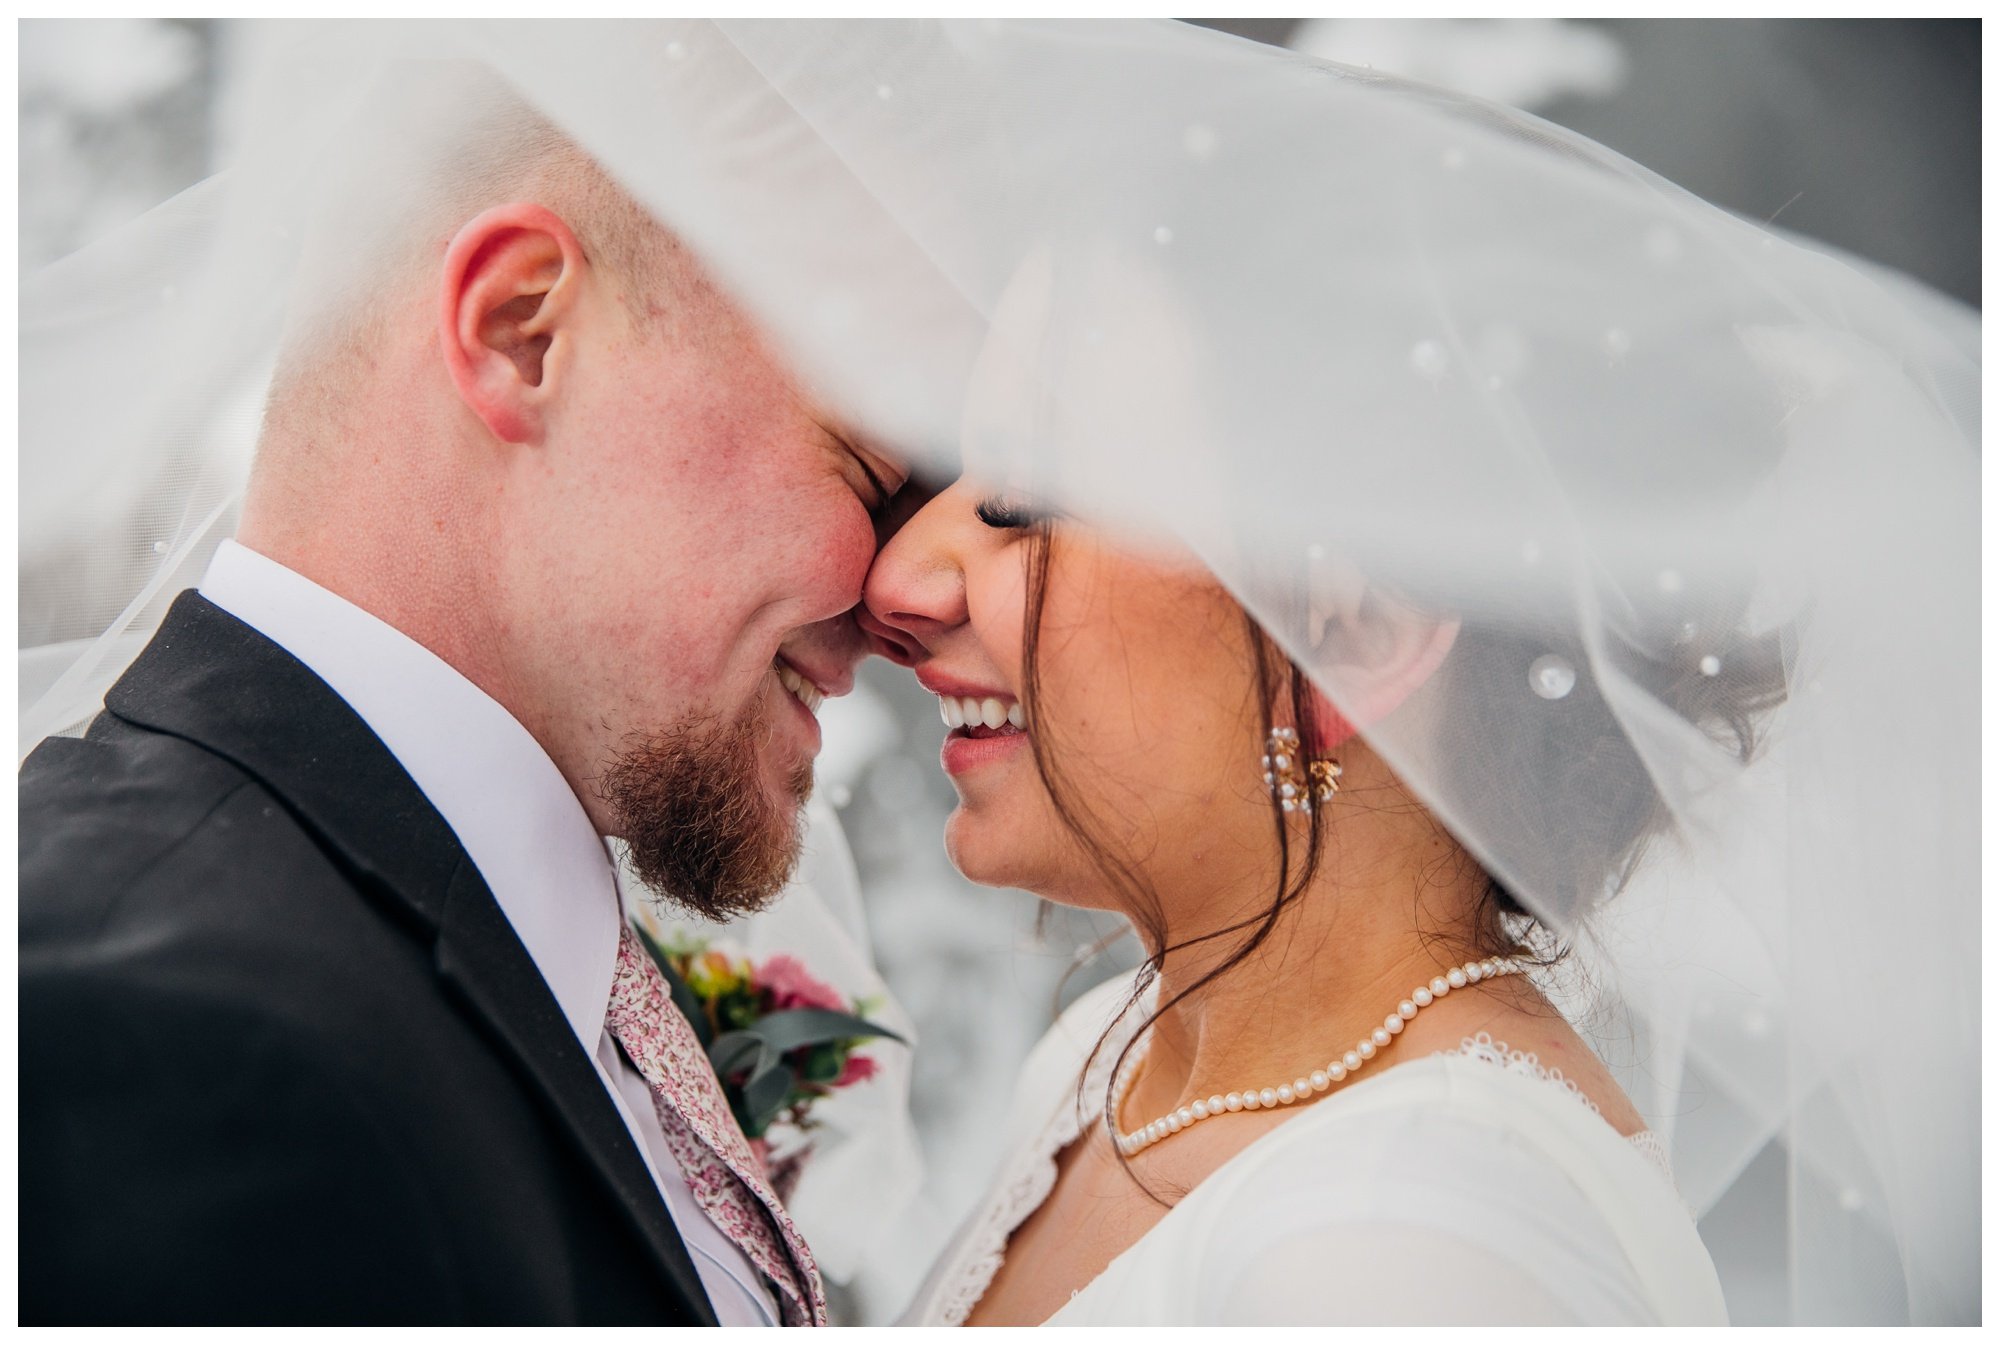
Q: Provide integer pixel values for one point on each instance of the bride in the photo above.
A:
(1335, 1093)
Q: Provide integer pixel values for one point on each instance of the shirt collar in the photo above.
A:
(511, 809)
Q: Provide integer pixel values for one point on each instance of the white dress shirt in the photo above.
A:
(523, 828)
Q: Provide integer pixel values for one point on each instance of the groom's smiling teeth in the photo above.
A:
(805, 692)
(974, 712)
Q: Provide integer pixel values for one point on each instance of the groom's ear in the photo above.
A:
(507, 297)
(1371, 646)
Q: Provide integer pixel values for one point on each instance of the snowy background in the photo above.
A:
(1864, 134)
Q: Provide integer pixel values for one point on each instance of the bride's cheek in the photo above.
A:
(996, 605)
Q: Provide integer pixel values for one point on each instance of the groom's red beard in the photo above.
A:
(704, 831)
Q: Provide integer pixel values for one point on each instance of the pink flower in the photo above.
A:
(793, 987)
(859, 1069)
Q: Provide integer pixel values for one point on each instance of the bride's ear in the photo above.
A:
(1372, 647)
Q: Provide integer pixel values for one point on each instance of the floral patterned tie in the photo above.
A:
(726, 1178)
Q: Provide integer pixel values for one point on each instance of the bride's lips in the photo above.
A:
(986, 723)
(967, 749)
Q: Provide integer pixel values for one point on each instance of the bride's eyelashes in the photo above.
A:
(997, 511)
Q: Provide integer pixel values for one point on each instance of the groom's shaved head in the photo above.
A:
(470, 144)
(516, 421)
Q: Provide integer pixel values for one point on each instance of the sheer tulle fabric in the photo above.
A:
(1690, 485)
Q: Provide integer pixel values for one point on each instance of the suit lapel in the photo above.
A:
(216, 682)
(480, 956)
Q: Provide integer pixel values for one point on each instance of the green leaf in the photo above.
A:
(824, 1064)
(826, 1038)
(793, 1028)
(734, 1051)
(765, 1095)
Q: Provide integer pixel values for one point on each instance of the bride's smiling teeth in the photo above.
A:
(807, 694)
(974, 712)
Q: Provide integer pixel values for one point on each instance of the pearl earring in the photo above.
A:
(1295, 783)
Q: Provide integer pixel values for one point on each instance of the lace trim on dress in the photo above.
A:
(1483, 1048)
(1654, 1149)
(1026, 1186)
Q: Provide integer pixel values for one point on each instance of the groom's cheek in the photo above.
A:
(814, 562)
(850, 550)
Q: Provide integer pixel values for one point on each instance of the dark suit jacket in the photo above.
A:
(282, 1059)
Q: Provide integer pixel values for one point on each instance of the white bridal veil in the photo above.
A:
(1704, 496)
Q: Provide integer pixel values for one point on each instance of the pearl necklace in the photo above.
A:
(1304, 1087)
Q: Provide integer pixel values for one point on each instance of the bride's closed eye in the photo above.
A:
(997, 511)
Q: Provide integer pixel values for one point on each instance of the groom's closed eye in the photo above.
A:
(882, 478)
(882, 492)
(916, 491)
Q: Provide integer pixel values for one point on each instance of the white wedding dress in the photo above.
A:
(1469, 1187)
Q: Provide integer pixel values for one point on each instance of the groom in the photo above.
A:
(326, 1014)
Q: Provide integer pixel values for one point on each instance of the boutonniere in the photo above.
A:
(779, 1038)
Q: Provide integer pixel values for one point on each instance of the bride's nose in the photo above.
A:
(915, 592)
